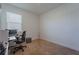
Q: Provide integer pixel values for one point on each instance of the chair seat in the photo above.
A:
(18, 42)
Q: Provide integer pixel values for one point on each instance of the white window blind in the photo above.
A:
(14, 21)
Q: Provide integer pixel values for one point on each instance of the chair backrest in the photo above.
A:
(23, 36)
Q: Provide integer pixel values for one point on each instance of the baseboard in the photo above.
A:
(60, 44)
(35, 38)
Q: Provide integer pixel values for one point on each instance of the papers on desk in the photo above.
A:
(12, 38)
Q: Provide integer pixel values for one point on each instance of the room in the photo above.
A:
(50, 28)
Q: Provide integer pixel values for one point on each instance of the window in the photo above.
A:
(14, 21)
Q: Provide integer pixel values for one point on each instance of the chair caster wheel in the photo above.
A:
(22, 50)
(13, 52)
(25, 46)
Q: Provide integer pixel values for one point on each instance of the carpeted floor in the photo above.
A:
(42, 47)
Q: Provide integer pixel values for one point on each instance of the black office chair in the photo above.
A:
(20, 41)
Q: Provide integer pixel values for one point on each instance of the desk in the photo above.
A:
(12, 38)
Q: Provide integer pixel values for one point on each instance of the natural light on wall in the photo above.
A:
(14, 21)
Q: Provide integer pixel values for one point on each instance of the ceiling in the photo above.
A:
(37, 8)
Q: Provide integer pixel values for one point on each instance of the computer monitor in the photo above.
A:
(12, 32)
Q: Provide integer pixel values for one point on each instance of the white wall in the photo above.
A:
(4, 39)
(3, 36)
(29, 20)
(61, 26)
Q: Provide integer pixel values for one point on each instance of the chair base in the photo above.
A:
(19, 48)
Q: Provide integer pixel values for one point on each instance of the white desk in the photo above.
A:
(12, 38)
(12, 41)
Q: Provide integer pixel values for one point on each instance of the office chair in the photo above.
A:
(19, 41)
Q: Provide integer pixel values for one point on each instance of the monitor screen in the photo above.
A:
(12, 32)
